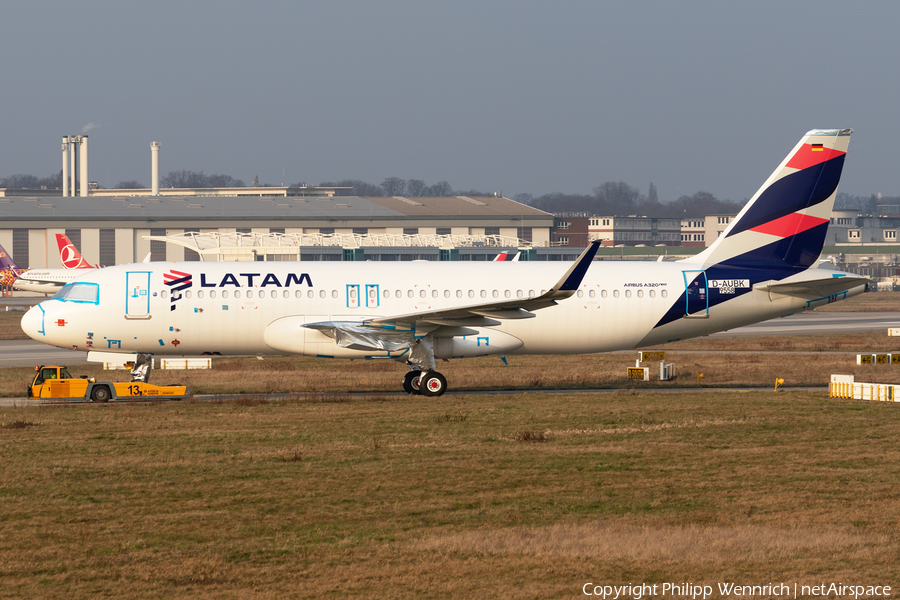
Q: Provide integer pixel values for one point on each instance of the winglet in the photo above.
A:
(572, 279)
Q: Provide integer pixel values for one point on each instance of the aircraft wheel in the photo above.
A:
(411, 382)
(100, 394)
(433, 384)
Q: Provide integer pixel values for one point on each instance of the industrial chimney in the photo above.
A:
(65, 169)
(84, 166)
(154, 168)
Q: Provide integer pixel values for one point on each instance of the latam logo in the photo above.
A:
(251, 279)
(177, 281)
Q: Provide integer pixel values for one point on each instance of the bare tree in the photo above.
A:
(415, 187)
(21, 181)
(440, 189)
(394, 186)
(128, 185)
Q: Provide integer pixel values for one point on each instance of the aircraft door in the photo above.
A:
(352, 296)
(137, 295)
(371, 296)
(696, 294)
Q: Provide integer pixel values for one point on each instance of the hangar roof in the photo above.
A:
(125, 208)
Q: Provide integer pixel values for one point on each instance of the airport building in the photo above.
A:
(122, 229)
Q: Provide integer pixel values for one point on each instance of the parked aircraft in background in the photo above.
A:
(763, 266)
(507, 257)
(9, 270)
(69, 255)
(49, 281)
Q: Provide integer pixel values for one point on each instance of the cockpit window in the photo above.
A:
(79, 292)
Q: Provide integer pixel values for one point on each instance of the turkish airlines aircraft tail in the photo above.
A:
(69, 255)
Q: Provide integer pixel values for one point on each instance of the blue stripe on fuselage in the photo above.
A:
(776, 261)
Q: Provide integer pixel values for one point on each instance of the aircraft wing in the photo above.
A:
(518, 308)
(398, 330)
(820, 286)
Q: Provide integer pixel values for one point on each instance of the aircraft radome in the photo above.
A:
(762, 266)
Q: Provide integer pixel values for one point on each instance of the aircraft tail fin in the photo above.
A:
(6, 261)
(69, 255)
(782, 227)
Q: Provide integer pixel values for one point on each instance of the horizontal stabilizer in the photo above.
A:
(819, 287)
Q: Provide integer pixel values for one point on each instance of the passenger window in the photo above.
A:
(310, 294)
(334, 293)
(212, 293)
(664, 293)
(579, 293)
(421, 293)
(495, 294)
(274, 293)
(640, 293)
(287, 293)
(507, 294)
(410, 293)
(224, 293)
(398, 294)
(187, 294)
(199, 293)
(387, 293)
(519, 294)
(163, 294)
(471, 293)
(653, 293)
(434, 293)
(531, 293)
(615, 293)
(321, 293)
(603, 293)
(446, 293)
(459, 293)
(483, 294)
(237, 293)
(628, 293)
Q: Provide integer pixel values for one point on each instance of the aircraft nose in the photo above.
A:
(33, 323)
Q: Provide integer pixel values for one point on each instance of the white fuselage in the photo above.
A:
(258, 307)
(47, 281)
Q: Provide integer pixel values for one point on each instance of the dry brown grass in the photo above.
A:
(10, 328)
(406, 499)
(800, 361)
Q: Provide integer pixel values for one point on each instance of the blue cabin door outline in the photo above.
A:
(372, 300)
(137, 295)
(696, 294)
(352, 295)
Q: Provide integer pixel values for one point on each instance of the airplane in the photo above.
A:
(506, 256)
(9, 270)
(764, 265)
(69, 255)
(49, 281)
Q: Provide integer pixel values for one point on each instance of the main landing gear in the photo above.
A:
(430, 383)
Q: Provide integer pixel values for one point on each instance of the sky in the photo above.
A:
(510, 96)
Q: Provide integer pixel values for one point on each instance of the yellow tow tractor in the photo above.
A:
(55, 383)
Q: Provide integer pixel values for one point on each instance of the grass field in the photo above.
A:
(326, 495)
(519, 496)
